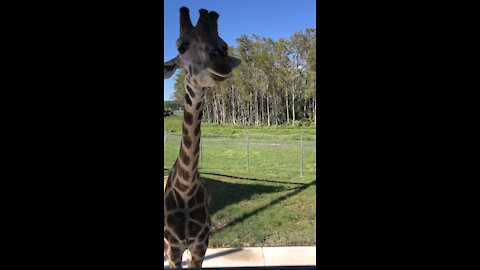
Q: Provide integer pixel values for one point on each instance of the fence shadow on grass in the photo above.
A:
(225, 194)
(252, 179)
(202, 173)
(261, 209)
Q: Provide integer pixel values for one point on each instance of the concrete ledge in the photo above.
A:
(257, 257)
(289, 256)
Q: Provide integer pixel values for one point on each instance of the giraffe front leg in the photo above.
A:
(174, 255)
(196, 256)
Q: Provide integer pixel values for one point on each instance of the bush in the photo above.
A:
(167, 113)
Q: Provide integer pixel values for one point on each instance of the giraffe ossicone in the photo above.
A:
(204, 58)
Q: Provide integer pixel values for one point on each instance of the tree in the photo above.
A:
(274, 85)
(179, 93)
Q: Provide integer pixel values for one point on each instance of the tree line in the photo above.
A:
(274, 85)
(171, 105)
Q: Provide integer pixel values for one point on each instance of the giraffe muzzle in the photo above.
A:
(217, 76)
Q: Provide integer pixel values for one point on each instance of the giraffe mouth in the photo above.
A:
(217, 76)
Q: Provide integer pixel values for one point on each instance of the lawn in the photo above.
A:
(260, 201)
(173, 124)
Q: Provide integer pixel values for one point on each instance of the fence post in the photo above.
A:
(315, 155)
(248, 154)
(164, 138)
(301, 159)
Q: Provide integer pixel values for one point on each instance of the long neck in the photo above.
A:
(187, 162)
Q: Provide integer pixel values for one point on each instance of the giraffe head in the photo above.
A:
(202, 53)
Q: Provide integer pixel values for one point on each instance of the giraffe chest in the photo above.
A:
(188, 222)
(187, 199)
(189, 204)
(182, 210)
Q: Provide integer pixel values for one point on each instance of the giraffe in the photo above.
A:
(204, 58)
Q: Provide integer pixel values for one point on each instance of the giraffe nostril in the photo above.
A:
(213, 55)
(216, 53)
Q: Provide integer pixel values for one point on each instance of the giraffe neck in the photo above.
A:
(187, 163)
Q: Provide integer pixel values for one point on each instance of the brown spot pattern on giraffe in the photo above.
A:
(169, 201)
(197, 147)
(194, 228)
(195, 165)
(174, 220)
(200, 196)
(188, 117)
(180, 201)
(203, 234)
(183, 173)
(179, 229)
(190, 91)
(175, 251)
(199, 215)
(181, 186)
(192, 202)
(192, 190)
(184, 157)
(187, 141)
(188, 100)
(197, 129)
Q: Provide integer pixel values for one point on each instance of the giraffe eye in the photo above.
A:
(182, 49)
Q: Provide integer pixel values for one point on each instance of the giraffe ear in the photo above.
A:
(170, 67)
(234, 62)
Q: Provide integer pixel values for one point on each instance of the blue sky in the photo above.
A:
(266, 18)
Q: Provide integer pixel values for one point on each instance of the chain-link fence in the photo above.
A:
(291, 154)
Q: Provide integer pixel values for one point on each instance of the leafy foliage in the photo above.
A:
(274, 85)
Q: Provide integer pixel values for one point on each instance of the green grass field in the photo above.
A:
(268, 204)
(173, 124)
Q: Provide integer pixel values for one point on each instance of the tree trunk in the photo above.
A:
(268, 112)
(245, 113)
(206, 112)
(275, 110)
(250, 114)
(288, 107)
(293, 105)
(256, 108)
(224, 112)
(305, 106)
(234, 111)
(262, 108)
(215, 108)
